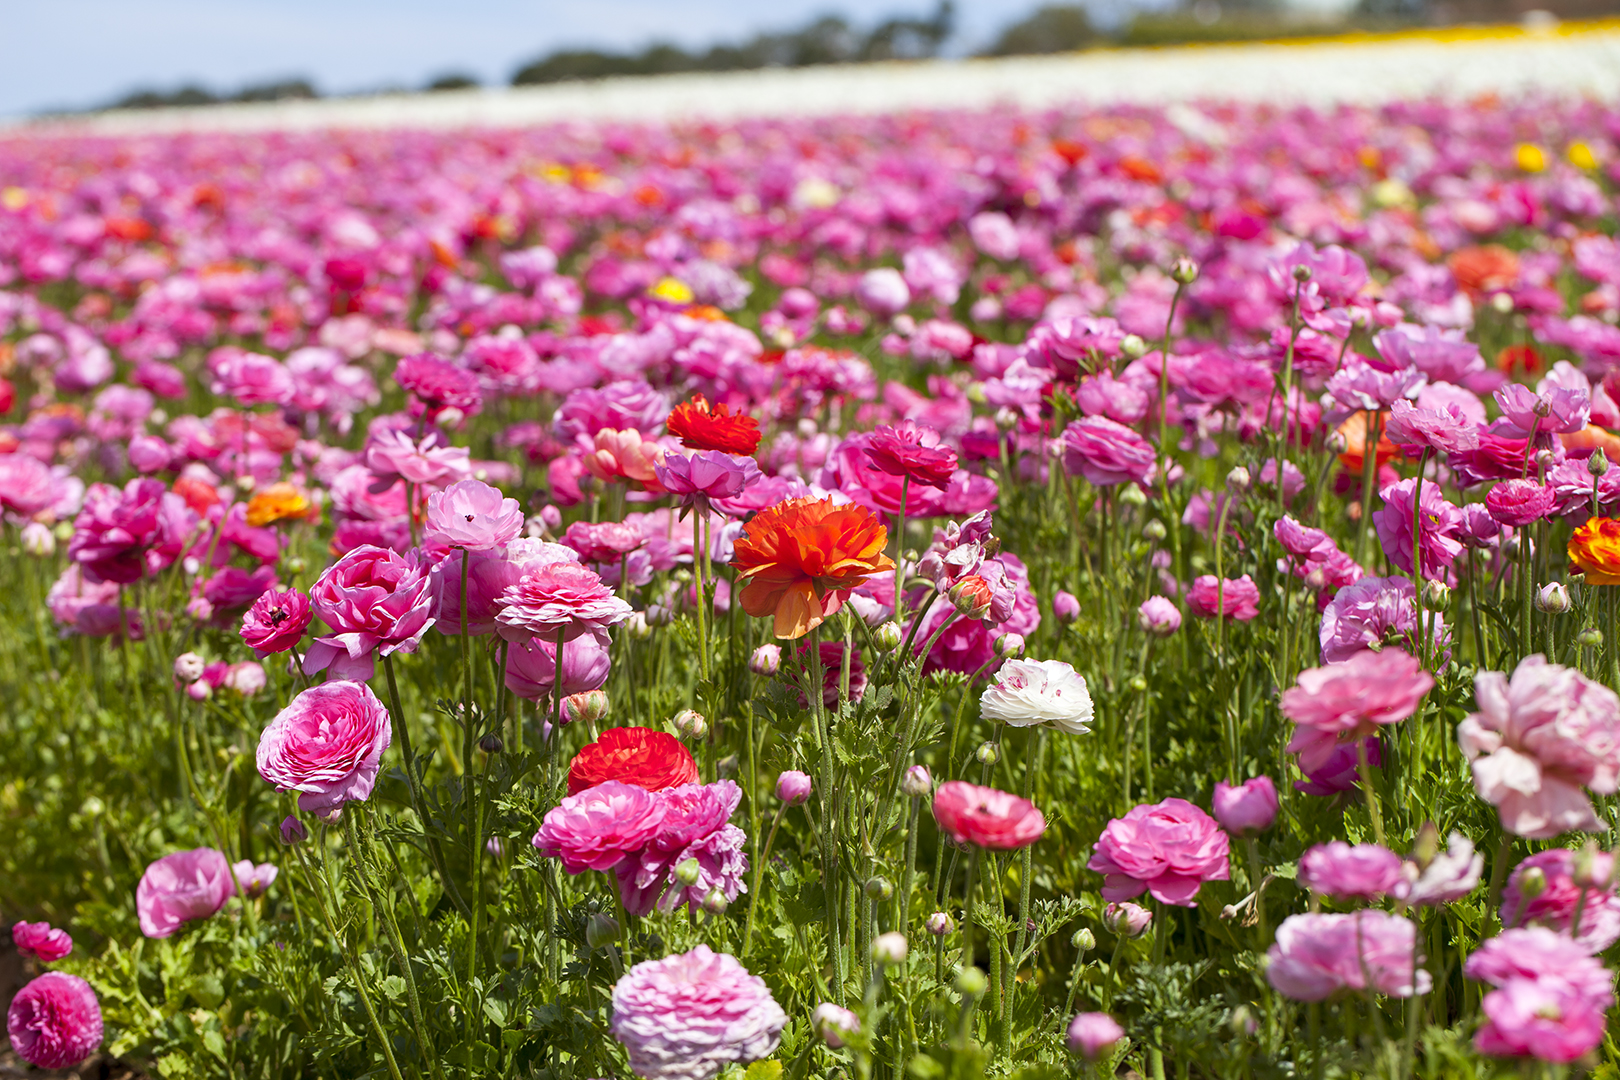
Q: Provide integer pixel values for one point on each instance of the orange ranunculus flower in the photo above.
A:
(801, 558)
(1594, 550)
(1354, 430)
(701, 426)
(1486, 269)
(276, 503)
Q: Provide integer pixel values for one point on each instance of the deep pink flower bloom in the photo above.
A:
(41, 940)
(558, 598)
(437, 385)
(470, 514)
(1540, 954)
(1106, 453)
(909, 449)
(1233, 598)
(489, 573)
(276, 622)
(1442, 525)
(793, 787)
(1246, 809)
(531, 666)
(1518, 502)
(1092, 1034)
(1169, 849)
(1316, 956)
(1345, 872)
(55, 1021)
(600, 827)
(375, 601)
(1554, 907)
(607, 542)
(251, 378)
(985, 817)
(704, 475)
(392, 456)
(1372, 613)
(1544, 1019)
(180, 887)
(125, 535)
(327, 745)
(1537, 740)
(695, 826)
(689, 1015)
(1558, 409)
(1351, 700)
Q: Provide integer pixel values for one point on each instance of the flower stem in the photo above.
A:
(1367, 789)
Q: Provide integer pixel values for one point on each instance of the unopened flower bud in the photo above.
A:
(971, 982)
(1336, 443)
(1010, 645)
(940, 924)
(1591, 637)
(1542, 407)
(767, 660)
(199, 691)
(690, 724)
(1426, 845)
(330, 816)
(1132, 347)
(1436, 595)
(1238, 480)
(1592, 868)
(918, 781)
(1006, 419)
(1130, 920)
(188, 667)
(1243, 1022)
(1532, 883)
(1545, 460)
(1598, 463)
(888, 636)
(728, 765)
(1138, 684)
(878, 888)
(832, 1022)
(1553, 598)
(1501, 303)
(638, 627)
(496, 847)
(37, 540)
(1132, 495)
(1065, 608)
(688, 871)
(1083, 941)
(971, 596)
(659, 615)
(590, 706)
(715, 902)
(491, 744)
(1154, 531)
(890, 948)
(988, 753)
(1183, 271)
(793, 787)
(601, 930)
(293, 831)
(1302, 273)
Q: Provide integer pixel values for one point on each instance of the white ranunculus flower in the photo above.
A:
(1031, 692)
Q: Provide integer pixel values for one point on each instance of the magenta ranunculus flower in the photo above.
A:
(1520, 502)
(912, 450)
(1545, 1019)
(55, 1021)
(1168, 849)
(986, 817)
(1316, 956)
(695, 831)
(1342, 770)
(560, 598)
(1442, 528)
(607, 542)
(1105, 452)
(375, 600)
(124, 535)
(1372, 613)
(688, 1016)
(1232, 598)
(437, 386)
(1537, 741)
(41, 940)
(327, 745)
(1554, 906)
(531, 666)
(1346, 872)
(704, 475)
(600, 827)
(470, 514)
(1247, 809)
(1540, 954)
(180, 887)
(276, 622)
(1344, 702)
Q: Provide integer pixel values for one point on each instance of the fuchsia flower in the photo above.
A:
(1372, 613)
(603, 543)
(1351, 700)
(1317, 956)
(1554, 906)
(327, 745)
(276, 622)
(42, 941)
(985, 817)
(558, 598)
(688, 1016)
(489, 573)
(124, 535)
(375, 601)
(531, 667)
(1442, 528)
(472, 515)
(1361, 872)
(911, 450)
(706, 475)
(1446, 429)
(1547, 1020)
(1558, 409)
(1106, 453)
(600, 827)
(695, 828)
(55, 1021)
(1168, 849)
(1537, 740)
(1233, 599)
(181, 887)
(1518, 503)
(437, 386)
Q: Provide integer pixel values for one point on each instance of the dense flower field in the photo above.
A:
(937, 595)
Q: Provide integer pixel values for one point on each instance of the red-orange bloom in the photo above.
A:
(701, 426)
(802, 557)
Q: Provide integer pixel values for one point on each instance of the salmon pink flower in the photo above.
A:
(985, 817)
(800, 559)
(1168, 849)
(624, 456)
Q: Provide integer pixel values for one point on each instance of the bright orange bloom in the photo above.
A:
(1486, 269)
(1354, 430)
(1594, 550)
(276, 503)
(801, 558)
(199, 494)
(701, 426)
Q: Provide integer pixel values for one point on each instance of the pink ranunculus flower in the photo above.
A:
(489, 573)
(1316, 956)
(909, 449)
(696, 827)
(392, 456)
(473, 515)
(1372, 613)
(697, 479)
(600, 827)
(1554, 906)
(560, 598)
(327, 745)
(126, 534)
(1559, 409)
(1105, 452)
(55, 1021)
(276, 622)
(180, 887)
(689, 1015)
(624, 455)
(1544, 1019)
(1168, 849)
(1447, 429)
(27, 485)
(42, 941)
(251, 378)
(375, 600)
(1346, 872)
(1451, 875)
(1442, 528)
(1247, 809)
(438, 386)
(1540, 954)
(1158, 616)
(1343, 702)
(531, 666)
(607, 542)
(1520, 502)
(986, 817)
(1237, 598)
(1092, 1034)
(1537, 740)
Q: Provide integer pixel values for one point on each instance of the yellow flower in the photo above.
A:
(1594, 550)
(1580, 155)
(14, 198)
(672, 289)
(1530, 157)
(276, 503)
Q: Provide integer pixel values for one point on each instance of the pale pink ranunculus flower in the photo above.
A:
(180, 887)
(327, 745)
(1343, 702)
(1168, 849)
(489, 573)
(1537, 741)
(600, 827)
(624, 455)
(689, 1015)
(375, 600)
(1544, 1019)
(1350, 872)
(1029, 693)
(1092, 1034)
(563, 598)
(392, 455)
(1541, 954)
(1316, 956)
(1247, 808)
(253, 880)
(1451, 875)
(473, 515)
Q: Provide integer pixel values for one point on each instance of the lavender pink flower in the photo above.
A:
(1246, 809)
(181, 887)
(1317, 956)
(689, 1015)
(1168, 849)
(471, 514)
(1351, 700)
(1350, 872)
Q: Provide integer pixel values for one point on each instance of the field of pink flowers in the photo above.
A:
(1123, 592)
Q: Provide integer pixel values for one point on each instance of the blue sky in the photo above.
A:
(67, 53)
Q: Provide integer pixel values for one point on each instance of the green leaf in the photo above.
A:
(392, 987)
(764, 1070)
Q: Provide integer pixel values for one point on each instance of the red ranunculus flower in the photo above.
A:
(651, 759)
(909, 449)
(701, 426)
